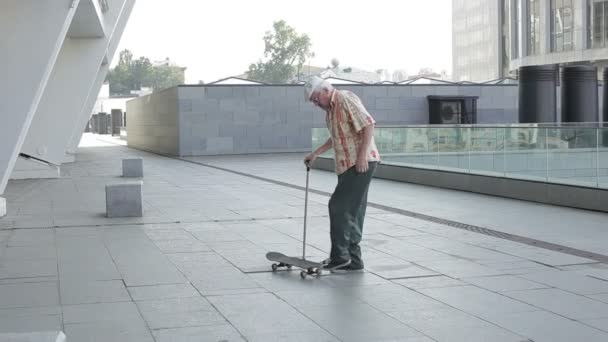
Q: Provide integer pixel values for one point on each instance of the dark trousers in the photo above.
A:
(347, 207)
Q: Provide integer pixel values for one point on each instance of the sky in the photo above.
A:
(216, 39)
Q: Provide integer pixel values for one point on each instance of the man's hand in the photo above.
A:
(362, 165)
(310, 159)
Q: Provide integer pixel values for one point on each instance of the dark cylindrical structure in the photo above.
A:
(116, 121)
(102, 123)
(579, 94)
(94, 123)
(537, 94)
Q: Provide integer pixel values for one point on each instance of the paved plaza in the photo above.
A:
(193, 268)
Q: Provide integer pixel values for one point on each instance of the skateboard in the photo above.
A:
(281, 260)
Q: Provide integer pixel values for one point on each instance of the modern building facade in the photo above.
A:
(55, 61)
(493, 38)
(476, 40)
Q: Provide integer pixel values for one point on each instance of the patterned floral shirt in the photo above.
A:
(345, 119)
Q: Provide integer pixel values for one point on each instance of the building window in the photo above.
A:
(533, 39)
(506, 37)
(515, 22)
(598, 23)
(562, 22)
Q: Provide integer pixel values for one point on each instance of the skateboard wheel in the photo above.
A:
(289, 266)
(303, 274)
(274, 267)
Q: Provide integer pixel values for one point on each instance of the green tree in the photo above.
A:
(285, 52)
(130, 74)
(165, 76)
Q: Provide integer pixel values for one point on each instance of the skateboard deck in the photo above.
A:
(281, 260)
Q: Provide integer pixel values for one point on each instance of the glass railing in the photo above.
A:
(575, 154)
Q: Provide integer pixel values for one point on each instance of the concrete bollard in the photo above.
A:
(133, 167)
(124, 200)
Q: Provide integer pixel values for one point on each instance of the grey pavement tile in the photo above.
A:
(407, 251)
(100, 312)
(181, 246)
(448, 324)
(504, 283)
(245, 246)
(393, 297)
(28, 280)
(204, 272)
(600, 274)
(141, 263)
(359, 322)
(167, 291)
(600, 297)
(123, 232)
(518, 267)
(554, 258)
(563, 303)
(429, 282)
(254, 262)
(476, 301)
(464, 250)
(291, 280)
(210, 282)
(85, 292)
(458, 268)
(24, 253)
(167, 320)
(211, 333)
(32, 237)
(316, 296)
(228, 292)
(224, 215)
(298, 336)
(542, 326)
(91, 270)
(585, 267)
(169, 225)
(195, 227)
(172, 305)
(601, 324)
(197, 257)
(25, 295)
(391, 268)
(62, 233)
(261, 313)
(28, 269)
(389, 229)
(87, 248)
(268, 235)
(569, 281)
(170, 234)
(47, 336)
(23, 320)
(116, 331)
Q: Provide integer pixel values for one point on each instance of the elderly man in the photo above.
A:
(351, 130)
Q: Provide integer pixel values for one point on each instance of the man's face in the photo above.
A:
(321, 98)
